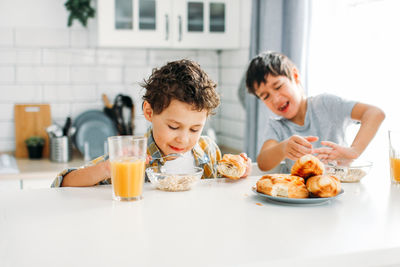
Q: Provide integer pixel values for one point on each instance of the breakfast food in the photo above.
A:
(176, 183)
(307, 166)
(323, 185)
(232, 166)
(282, 185)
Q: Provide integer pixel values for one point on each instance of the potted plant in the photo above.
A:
(35, 146)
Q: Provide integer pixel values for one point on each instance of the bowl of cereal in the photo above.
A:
(173, 181)
(351, 173)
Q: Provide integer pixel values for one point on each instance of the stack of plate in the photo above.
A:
(93, 128)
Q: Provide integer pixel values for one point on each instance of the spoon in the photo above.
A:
(175, 155)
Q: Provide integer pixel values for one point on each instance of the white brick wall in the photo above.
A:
(42, 60)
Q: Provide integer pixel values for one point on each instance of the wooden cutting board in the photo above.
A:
(31, 119)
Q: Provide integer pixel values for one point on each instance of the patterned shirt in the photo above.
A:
(206, 154)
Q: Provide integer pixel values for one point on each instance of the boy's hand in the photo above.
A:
(333, 151)
(298, 146)
(248, 162)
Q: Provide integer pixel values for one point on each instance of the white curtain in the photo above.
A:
(282, 26)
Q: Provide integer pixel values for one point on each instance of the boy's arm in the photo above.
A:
(88, 176)
(371, 118)
(273, 152)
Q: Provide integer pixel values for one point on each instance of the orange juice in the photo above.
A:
(127, 177)
(395, 169)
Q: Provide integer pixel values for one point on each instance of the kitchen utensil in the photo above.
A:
(66, 127)
(174, 155)
(93, 127)
(128, 112)
(117, 108)
(106, 101)
(30, 120)
(60, 149)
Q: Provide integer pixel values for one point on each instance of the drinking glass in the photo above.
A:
(394, 156)
(128, 158)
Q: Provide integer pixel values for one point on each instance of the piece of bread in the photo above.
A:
(324, 185)
(307, 166)
(232, 166)
(282, 185)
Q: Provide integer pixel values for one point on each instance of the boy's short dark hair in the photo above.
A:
(266, 63)
(184, 81)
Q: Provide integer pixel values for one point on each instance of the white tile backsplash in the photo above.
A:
(8, 56)
(157, 58)
(136, 75)
(20, 93)
(69, 93)
(7, 129)
(6, 37)
(43, 74)
(79, 38)
(6, 112)
(7, 74)
(41, 37)
(68, 57)
(97, 74)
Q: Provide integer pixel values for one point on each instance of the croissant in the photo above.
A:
(307, 166)
(282, 185)
(232, 166)
(324, 185)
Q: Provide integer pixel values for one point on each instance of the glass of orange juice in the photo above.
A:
(128, 158)
(394, 156)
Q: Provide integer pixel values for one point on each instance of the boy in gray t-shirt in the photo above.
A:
(313, 125)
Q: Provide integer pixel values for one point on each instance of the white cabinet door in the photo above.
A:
(211, 24)
(134, 23)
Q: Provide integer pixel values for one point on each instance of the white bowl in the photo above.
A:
(173, 181)
(350, 174)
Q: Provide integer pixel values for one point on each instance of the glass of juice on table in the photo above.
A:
(127, 158)
(394, 156)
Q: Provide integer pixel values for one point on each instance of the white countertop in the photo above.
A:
(40, 168)
(218, 223)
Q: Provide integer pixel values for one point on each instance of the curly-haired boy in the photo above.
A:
(178, 99)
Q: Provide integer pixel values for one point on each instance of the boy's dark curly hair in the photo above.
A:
(273, 63)
(184, 81)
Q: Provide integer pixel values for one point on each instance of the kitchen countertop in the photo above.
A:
(40, 168)
(217, 223)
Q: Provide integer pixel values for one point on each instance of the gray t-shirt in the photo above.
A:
(327, 117)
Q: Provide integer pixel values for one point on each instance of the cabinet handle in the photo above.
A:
(180, 28)
(166, 27)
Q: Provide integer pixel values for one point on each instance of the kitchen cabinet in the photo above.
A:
(202, 24)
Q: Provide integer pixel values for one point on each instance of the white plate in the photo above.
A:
(310, 200)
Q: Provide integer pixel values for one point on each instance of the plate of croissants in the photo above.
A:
(306, 184)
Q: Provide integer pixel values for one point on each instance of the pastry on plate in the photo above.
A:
(232, 166)
(307, 166)
(282, 185)
(324, 185)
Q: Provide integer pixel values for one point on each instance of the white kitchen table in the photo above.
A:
(218, 223)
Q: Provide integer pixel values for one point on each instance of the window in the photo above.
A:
(354, 53)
